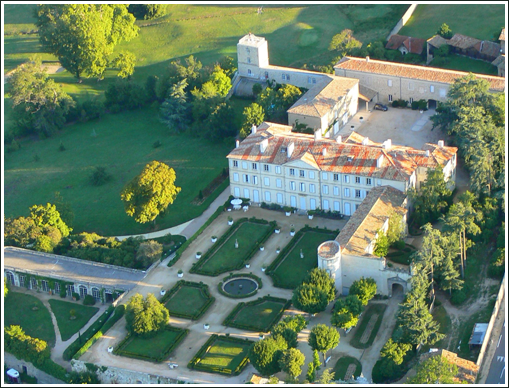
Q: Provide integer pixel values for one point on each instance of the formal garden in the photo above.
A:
(152, 347)
(367, 329)
(71, 317)
(234, 248)
(295, 260)
(222, 354)
(258, 315)
(188, 300)
(346, 367)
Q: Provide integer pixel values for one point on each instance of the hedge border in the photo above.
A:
(270, 271)
(194, 362)
(355, 341)
(229, 321)
(204, 290)
(183, 247)
(240, 275)
(182, 333)
(195, 268)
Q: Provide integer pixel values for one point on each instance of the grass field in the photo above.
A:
(66, 326)
(123, 144)
(481, 21)
(342, 366)
(154, 348)
(223, 356)
(187, 301)
(458, 62)
(375, 308)
(292, 270)
(36, 323)
(227, 257)
(259, 315)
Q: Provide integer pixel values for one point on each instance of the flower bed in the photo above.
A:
(189, 306)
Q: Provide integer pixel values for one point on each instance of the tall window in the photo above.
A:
(389, 82)
(358, 179)
(255, 166)
(278, 169)
(57, 288)
(244, 165)
(346, 178)
(336, 177)
(292, 186)
(267, 196)
(357, 193)
(235, 163)
(245, 178)
(390, 97)
(266, 181)
(311, 175)
(431, 89)
(312, 188)
(255, 180)
(292, 172)
(336, 190)
(279, 182)
(236, 176)
(302, 186)
(279, 198)
(347, 192)
(325, 189)
(324, 176)
(266, 167)
(368, 181)
(22, 280)
(302, 173)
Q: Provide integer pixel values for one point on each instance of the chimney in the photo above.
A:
(318, 134)
(263, 145)
(237, 143)
(339, 139)
(380, 160)
(289, 150)
(386, 145)
(440, 144)
(365, 141)
(253, 129)
(427, 153)
(324, 151)
(367, 58)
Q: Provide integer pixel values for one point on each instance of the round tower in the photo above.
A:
(329, 258)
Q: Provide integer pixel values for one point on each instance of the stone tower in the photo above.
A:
(329, 258)
(252, 56)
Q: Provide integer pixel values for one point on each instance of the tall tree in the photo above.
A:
(125, 61)
(445, 31)
(395, 351)
(145, 316)
(291, 362)
(39, 105)
(150, 193)
(48, 215)
(309, 299)
(344, 43)
(319, 278)
(191, 71)
(175, 108)
(435, 370)
(346, 312)
(251, 115)
(323, 338)
(364, 288)
(20, 232)
(265, 354)
(220, 81)
(83, 36)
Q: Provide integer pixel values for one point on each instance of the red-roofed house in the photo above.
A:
(406, 44)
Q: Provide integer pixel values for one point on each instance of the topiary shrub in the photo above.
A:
(75, 296)
(89, 300)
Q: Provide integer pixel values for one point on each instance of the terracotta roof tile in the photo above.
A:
(414, 45)
(395, 41)
(413, 71)
(462, 42)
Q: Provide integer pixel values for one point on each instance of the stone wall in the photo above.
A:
(42, 378)
(113, 375)
(404, 19)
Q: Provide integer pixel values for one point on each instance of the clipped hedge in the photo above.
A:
(204, 290)
(196, 266)
(230, 319)
(239, 275)
(270, 271)
(184, 246)
(73, 348)
(182, 333)
(194, 363)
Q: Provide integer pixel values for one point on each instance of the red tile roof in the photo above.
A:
(488, 48)
(413, 45)
(426, 73)
(395, 41)
(437, 41)
(462, 42)
(349, 157)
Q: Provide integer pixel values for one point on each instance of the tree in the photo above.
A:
(220, 125)
(175, 108)
(275, 102)
(319, 278)
(435, 370)
(382, 244)
(148, 11)
(344, 43)
(64, 208)
(323, 338)
(227, 63)
(125, 61)
(431, 200)
(346, 312)
(220, 81)
(395, 230)
(124, 94)
(444, 31)
(376, 49)
(327, 376)
(48, 215)
(83, 36)
(176, 72)
(288, 328)
(145, 316)
(265, 354)
(6, 289)
(100, 176)
(149, 252)
(20, 232)
(309, 299)
(364, 288)
(39, 105)
(311, 374)
(150, 193)
(251, 115)
(395, 351)
(291, 362)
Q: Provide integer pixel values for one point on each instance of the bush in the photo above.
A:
(89, 300)
(257, 89)
(458, 297)
(76, 296)
(415, 105)
(124, 95)
(91, 110)
(400, 244)
(400, 103)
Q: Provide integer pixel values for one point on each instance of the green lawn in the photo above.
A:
(223, 356)
(35, 323)
(187, 302)
(259, 315)
(481, 21)
(292, 270)
(342, 366)
(123, 144)
(227, 257)
(458, 62)
(154, 348)
(67, 326)
(375, 308)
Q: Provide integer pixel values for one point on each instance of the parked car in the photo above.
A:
(379, 106)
